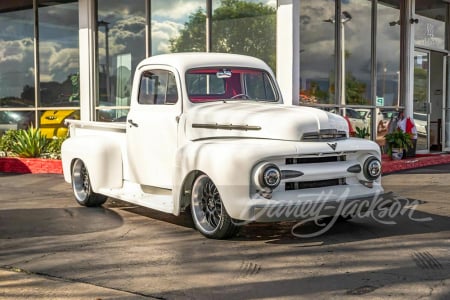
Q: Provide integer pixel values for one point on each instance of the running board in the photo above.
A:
(152, 198)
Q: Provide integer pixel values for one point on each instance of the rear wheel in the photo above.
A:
(81, 185)
(208, 212)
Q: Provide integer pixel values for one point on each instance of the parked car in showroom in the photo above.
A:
(421, 121)
(355, 118)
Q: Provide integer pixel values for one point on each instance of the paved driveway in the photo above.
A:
(51, 248)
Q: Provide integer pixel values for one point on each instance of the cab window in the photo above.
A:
(158, 87)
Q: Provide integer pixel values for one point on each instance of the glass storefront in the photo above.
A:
(16, 57)
(178, 26)
(237, 28)
(317, 59)
(121, 46)
(356, 51)
(365, 84)
(58, 53)
(388, 53)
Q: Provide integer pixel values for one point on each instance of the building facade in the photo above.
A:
(75, 59)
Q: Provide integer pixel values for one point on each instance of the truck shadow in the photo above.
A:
(405, 220)
(400, 220)
(38, 222)
(183, 220)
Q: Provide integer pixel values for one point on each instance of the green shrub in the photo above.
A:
(362, 132)
(29, 142)
(6, 142)
(53, 149)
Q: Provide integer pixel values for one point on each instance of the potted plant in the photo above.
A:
(398, 141)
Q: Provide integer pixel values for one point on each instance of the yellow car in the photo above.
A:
(52, 122)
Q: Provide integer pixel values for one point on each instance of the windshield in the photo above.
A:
(218, 84)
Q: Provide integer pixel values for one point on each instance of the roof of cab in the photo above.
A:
(189, 60)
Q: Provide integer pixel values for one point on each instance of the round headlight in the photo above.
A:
(270, 176)
(372, 168)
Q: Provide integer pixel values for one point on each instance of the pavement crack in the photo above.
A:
(70, 280)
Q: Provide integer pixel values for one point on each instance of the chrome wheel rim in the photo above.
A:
(207, 204)
(80, 181)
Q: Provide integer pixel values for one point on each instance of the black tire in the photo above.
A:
(208, 212)
(81, 186)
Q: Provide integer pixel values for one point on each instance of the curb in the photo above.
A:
(425, 160)
(30, 165)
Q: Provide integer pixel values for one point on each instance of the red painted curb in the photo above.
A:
(30, 165)
(391, 166)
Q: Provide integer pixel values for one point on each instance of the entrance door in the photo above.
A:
(421, 106)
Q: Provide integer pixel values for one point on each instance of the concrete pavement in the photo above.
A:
(50, 248)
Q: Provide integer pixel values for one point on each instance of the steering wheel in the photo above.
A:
(243, 96)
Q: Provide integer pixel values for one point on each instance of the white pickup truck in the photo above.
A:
(209, 132)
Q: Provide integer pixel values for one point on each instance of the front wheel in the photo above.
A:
(81, 185)
(208, 212)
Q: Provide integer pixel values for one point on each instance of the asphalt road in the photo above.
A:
(51, 248)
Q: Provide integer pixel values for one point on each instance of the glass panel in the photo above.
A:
(105, 114)
(388, 53)
(317, 58)
(16, 56)
(430, 29)
(121, 46)
(421, 98)
(356, 47)
(15, 120)
(178, 26)
(58, 53)
(245, 27)
(52, 121)
(158, 87)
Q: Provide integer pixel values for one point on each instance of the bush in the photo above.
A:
(30, 143)
(53, 149)
(6, 142)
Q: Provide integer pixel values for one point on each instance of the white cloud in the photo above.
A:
(16, 65)
(162, 32)
(176, 9)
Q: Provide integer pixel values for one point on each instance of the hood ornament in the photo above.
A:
(332, 145)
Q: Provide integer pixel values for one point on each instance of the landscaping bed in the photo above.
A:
(30, 165)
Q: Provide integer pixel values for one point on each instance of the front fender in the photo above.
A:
(102, 157)
(229, 164)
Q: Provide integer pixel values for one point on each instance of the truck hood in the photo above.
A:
(260, 120)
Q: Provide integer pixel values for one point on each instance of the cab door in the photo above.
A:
(152, 125)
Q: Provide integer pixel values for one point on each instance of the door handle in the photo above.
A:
(132, 123)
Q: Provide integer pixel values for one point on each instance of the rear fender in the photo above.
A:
(102, 157)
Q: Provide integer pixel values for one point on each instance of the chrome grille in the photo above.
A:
(290, 186)
(314, 159)
(324, 135)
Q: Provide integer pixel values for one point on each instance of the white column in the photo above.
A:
(88, 69)
(288, 50)
(408, 40)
